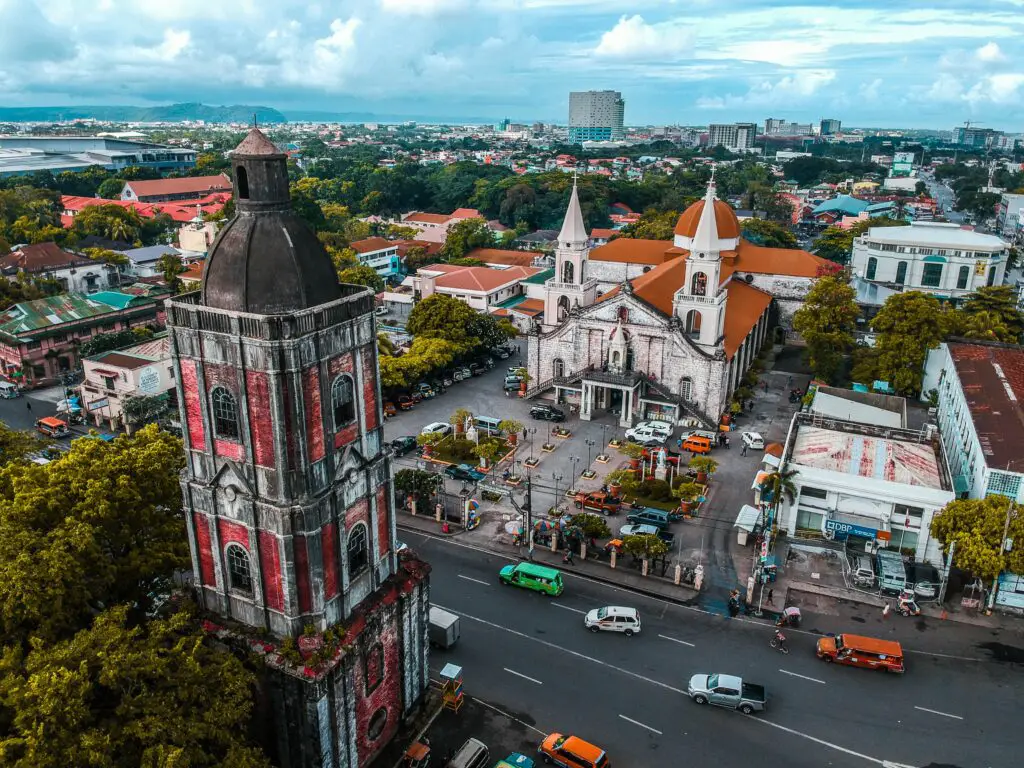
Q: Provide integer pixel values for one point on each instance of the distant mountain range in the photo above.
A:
(170, 113)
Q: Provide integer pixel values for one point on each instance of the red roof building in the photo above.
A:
(168, 190)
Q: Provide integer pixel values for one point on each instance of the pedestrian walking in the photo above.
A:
(771, 593)
(743, 450)
(750, 405)
(789, 382)
(28, 404)
(765, 382)
(507, 393)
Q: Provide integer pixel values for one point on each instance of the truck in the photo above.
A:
(727, 691)
(598, 501)
(444, 628)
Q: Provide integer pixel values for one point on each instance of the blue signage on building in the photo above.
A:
(842, 530)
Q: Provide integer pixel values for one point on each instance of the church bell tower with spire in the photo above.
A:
(570, 287)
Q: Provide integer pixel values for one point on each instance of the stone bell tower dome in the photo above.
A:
(266, 260)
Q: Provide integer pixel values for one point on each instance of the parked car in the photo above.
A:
(463, 472)
(613, 618)
(500, 352)
(638, 529)
(512, 384)
(727, 691)
(659, 427)
(447, 380)
(466, 373)
(646, 435)
(417, 397)
(389, 408)
(598, 501)
(458, 375)
(380, 311)
(425, 390)
(405, 403)
(753, 441)
(403, 445)
(547, 413)
(437, 428)
(476, 369)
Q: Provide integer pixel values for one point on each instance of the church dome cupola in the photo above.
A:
(266, 260)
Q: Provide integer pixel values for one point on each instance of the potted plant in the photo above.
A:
(512, 428)
(428, 442)
(687, 493)
(703, 466)
(633, 452)
(459, 418)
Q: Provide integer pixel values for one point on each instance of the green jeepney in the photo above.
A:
(539, 578)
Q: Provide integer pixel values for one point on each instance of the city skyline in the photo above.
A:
(917, 67)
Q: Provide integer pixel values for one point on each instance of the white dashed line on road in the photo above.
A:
(637, 722)
(676, 640)
(567, 608)
(936, 712)
(520, 674)
(802, 677)
(475, 581)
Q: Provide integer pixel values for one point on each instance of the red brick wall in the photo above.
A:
(204, 545)
(387, 694)
(231, 532)
(270, 567)
(369, 389)
(383, 521)
(358, 512)
(289, 429)
(348, 435)
(302, 574)
(340, 364)
(261, 423)
(229, 449)
(329, 547)
(314, 416)
(193, 414)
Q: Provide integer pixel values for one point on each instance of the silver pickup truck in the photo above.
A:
(727, 691)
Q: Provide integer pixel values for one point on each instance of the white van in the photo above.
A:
(753, 441)
(613, 618)
(8, 390)
(472, 754)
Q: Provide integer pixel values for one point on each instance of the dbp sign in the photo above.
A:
(842, 530)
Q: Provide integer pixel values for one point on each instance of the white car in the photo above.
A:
(659, 427)
(645, 436)
(437, 427)
(753, 440)
(613, 618)
(638, 529)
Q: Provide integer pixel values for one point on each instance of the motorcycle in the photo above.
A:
(907, 606)
(779, 641)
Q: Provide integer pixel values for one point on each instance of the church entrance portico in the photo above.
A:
(614, 392)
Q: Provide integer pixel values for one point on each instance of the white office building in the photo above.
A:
(596, 116)
(735, 136)
(1010, 216)
(945, 260)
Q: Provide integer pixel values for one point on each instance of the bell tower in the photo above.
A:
(287, 486)
(700, 302)
(570, 286)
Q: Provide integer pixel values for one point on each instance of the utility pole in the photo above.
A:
(529, 518)
(945, 573)
(1002, 549)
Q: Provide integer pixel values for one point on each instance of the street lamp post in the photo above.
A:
(590, 445)
(575, 467)
(557, 478)
(604, 439)
(532, 431)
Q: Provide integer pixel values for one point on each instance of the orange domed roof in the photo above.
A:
(725, 216)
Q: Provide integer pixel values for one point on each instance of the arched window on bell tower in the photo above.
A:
(699, 284)
(242, 177)
(239, 570)
(567, 272)
(225, 413)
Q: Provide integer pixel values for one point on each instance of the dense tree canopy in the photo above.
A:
(827, 321)
(836, 243)
(976, 525)
(908, 325)
(653, 225)
(767, 233)
(991, 313)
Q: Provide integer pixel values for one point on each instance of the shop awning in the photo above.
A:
(747, 518)
(759, 479)
(772, 461)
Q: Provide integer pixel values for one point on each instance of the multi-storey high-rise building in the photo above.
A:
(596, 116)
(975, 137)
(287, 486)
(830, 126)
(739, 136)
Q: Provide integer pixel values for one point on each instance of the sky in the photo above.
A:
(871, 63)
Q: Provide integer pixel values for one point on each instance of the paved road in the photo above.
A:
(945, 197)
(530, 656)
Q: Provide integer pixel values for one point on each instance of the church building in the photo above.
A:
(662, 330)
(287, 487)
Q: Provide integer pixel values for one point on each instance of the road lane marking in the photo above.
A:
(936, 712)
(476, 581)
(666, 603)
(802, 677)
(674, 640)
(555, 647)
(510, 717)
(637, 722)
(567, 608)
(520, 674)
(816, 740)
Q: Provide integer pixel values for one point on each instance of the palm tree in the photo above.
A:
(778, 485)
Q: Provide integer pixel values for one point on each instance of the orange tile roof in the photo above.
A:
(725, 217)
(625, 250)
(187, 184)
(597, 233)
(427, 218)
(500, 312)
(481, 278)
(791, 262)
(745, 305)
(193, 273)
(371, 244)
(530, 307)
(500, 256)
(466, 213)
(658, 286)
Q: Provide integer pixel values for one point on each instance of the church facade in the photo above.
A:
(287, 487)
(658, 330)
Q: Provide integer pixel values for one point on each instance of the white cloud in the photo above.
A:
(634, 38)
(422, 7)
(789, 90)
(870, 91)
(990, 52)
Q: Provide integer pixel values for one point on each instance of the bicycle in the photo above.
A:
(779, 642)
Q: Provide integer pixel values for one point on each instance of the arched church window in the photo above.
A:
(225, 413)
(567, 272)
(699, 284)
(558, 368)
(686, 388)
(616, 359)
(693, 322)
(563, 308)
(373, 667)
(358, 558)
(342, 401)
(623, 314)
(239, 571)
(243, 182)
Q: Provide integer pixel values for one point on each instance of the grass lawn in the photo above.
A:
(460, 451)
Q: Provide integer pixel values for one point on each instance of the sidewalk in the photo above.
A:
(623, 575)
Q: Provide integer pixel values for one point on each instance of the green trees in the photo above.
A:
(767, 233)
(827, 321)
(112, 222)
(836, 243)
(87, 676)
(464, 236)
(362, 275)
(908, 325)
(110, 189)
(425, 354)
(976, 525)
(170, 267)
(442, 317)
(653, 225)
(991, 313)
